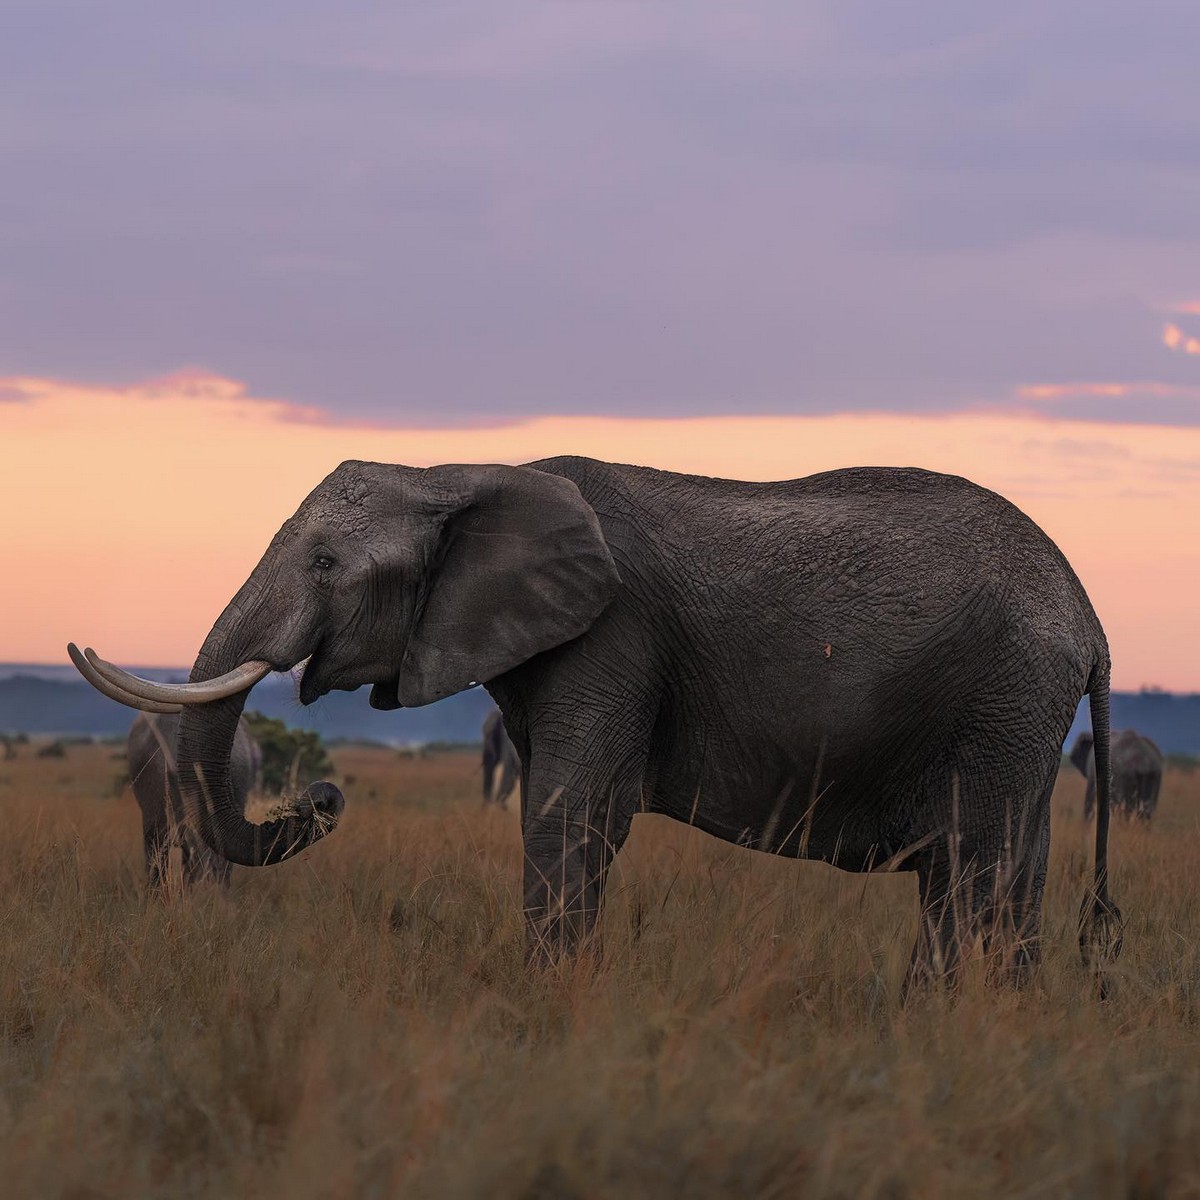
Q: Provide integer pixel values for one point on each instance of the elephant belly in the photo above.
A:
(799, 807)
(850, 844)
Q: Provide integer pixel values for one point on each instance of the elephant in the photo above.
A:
(872, 667)
(501, 764)
(151, 756)
(1137, 770)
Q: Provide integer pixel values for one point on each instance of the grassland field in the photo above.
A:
(360, 1023)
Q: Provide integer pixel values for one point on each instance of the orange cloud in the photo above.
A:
(133, 514)
(1175, 339)
(1092, 391)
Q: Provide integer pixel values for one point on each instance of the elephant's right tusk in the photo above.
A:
(238, 680)
(120, 695)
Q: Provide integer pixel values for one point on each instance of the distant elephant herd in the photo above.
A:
(870, 667)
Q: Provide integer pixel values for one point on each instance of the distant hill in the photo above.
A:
(53, 699)
(1171, 720)
(46, 700)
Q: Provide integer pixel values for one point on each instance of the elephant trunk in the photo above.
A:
(205, 743)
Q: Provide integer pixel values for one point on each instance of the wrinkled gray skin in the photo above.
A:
(1137, 770)
(501, 765)
(873, 667)
(151, 755)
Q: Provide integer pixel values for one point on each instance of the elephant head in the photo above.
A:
(419, 582)
(1081, 752)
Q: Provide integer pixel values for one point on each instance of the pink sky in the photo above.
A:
(133, 514)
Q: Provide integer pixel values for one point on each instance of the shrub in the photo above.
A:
(290, 757)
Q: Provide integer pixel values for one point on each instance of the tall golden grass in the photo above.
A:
(359, 1023)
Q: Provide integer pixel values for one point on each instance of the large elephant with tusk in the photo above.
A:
(870, 667)
(210, 799)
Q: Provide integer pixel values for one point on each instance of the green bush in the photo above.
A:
(291, 758)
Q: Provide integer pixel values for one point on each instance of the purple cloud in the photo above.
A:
(450, 211)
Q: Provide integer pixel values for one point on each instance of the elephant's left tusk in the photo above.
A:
(120, 695)
(229, 684)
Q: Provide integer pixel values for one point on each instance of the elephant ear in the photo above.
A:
(1081, 751)
(522, 566)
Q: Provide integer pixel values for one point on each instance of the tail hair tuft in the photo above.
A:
(1101, 928)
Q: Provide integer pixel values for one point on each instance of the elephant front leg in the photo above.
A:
(568, 850)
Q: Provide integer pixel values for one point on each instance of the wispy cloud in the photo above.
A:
(1174, 338)
(1107, 391)
(192, 387)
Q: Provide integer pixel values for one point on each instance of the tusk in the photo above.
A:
(120, 695)
(238, 680)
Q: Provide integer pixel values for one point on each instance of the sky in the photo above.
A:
(242, 241)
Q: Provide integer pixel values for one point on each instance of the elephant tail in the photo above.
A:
(1100, 921)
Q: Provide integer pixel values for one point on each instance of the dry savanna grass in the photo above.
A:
(360, 1023)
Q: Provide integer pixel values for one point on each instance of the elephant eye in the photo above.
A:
(323, 562)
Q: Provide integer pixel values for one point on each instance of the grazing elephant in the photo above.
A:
(1137, 770)
(501, 766)
(871, 667)
(151, 754)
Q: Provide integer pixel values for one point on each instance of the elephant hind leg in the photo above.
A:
(1014, 933)
(949, 921)
(963, 914)
(990, 901)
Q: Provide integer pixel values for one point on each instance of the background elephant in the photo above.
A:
(871, 667)
(501, 765)
(151, 754)
(1137, 770)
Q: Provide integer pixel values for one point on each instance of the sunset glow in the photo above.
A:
(1105, 391)
(133, 514)
(1175, 339)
